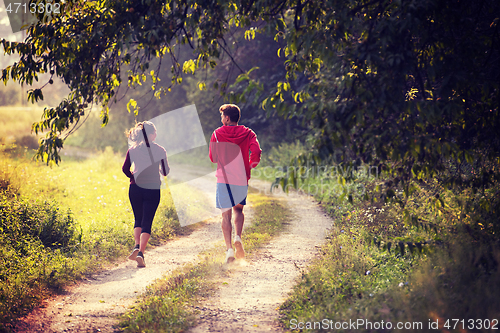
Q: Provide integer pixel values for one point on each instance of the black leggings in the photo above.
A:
(144, 204)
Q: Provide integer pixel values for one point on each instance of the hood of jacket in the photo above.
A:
(234, 134)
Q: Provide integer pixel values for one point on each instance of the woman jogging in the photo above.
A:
(149, 160)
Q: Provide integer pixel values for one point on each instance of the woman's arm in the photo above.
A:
(126, 166)
(164, 167)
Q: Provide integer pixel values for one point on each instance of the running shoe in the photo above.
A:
(229, 256)
(240, 253)
(140, 260)
(134, 253)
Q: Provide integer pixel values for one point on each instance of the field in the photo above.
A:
(15, 123)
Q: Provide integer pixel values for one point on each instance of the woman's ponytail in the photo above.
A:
(135, 134)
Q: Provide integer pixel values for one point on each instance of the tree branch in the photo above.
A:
(230, 56)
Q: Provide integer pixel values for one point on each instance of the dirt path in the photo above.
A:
(93, 305)
(247, 299)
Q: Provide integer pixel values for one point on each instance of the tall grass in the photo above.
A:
(372, 270)
(15, 122)
(96, 191)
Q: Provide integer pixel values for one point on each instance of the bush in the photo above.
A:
(36, 243)
(27, 141)
(20, 218)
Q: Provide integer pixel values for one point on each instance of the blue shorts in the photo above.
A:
(223, 199)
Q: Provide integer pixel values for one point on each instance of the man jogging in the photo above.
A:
(236, 151)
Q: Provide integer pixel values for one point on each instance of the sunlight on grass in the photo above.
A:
(15, 122)
(96, 192)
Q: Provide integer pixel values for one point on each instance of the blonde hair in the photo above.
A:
(136, 135)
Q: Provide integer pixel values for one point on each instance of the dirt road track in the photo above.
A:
(248, 300)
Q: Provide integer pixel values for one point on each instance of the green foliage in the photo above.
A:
(453, 276)
(250, 76)
(374, 79)
(407, 215)
(282, 152)
(38, 249)
(42, 221)
(37, 244)
(429, 255)
(408, 86)
(95, 46)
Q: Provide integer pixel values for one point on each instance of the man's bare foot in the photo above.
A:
(240, 253)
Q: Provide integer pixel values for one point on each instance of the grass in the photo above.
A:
(346, 281)
(15, 122)
(37, 249)
(170, 304)
(355, 281)
(96, 192)
(413, 260)
(89, 198)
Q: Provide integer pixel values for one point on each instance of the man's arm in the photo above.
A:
(211, 147)
(255, 151)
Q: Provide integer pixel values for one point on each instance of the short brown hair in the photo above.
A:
(232, 111)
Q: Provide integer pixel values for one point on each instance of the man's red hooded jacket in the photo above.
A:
(236, 151)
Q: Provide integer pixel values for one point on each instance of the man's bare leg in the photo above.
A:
(239, 219)
(226, 231)
(227, 228)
